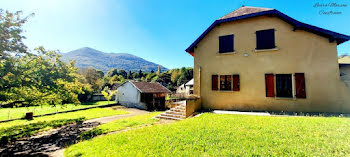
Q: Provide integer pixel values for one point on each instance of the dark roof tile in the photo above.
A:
(150, 87)
(244, 11)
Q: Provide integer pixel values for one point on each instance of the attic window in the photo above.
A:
(226, 43)
(265, 39)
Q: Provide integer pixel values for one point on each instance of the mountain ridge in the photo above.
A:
(88, 57)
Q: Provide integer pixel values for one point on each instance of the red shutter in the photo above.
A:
(214, 82)
(235, 80)
(270, 85)
(300, 85)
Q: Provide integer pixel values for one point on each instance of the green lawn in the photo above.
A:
(121, 124)
(19, 128)
(227, 135)
(12, 113)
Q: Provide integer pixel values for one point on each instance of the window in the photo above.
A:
(226, 44)
(265, 39)
(284, 85)
(225, 82)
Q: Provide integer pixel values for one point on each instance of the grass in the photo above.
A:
(121, 124)
(24, 128)
(227, 135)
(13, 113)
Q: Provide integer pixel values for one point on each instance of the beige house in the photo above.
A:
(259, 59)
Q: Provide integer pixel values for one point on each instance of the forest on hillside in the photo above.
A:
(39, 76)
(170, 78)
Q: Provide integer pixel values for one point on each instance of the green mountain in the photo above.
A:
(88, 57)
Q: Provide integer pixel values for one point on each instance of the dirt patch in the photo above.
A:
(47, 142)
(53, 142)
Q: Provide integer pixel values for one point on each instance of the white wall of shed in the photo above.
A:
(129, 96)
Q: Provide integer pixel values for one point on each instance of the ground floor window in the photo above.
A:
(284, 85)
(225, 82)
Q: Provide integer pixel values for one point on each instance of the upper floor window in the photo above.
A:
(226, 43)
(265, 39)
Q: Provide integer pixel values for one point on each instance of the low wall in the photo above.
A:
(192, 104)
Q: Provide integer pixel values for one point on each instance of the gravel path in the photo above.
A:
(53, 142)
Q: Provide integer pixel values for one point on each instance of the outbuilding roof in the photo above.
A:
(189, 83)
(344, 60)
(245, 12)
(150, 87)
(115, 86)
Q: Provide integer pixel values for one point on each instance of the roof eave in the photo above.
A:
(339, 38)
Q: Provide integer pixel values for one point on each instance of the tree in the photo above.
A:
(175, 75)
(38, 78)
(130, 75)
(123, 73)
(112, 72)
(164, 79)
(149, 77)
(158, 70)
(100, 73)
(116, 79)
(44, 79)
(135, 75)
(11, 37)
(94, 78)
(108, 94)
(140, 74)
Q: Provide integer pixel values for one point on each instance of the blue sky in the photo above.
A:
(156, 30)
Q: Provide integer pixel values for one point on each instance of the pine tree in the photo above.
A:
(158, 71)
(140, 74)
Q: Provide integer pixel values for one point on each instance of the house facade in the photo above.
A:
(143, 95)
(186, 88)
(189, 87)
(259, 59)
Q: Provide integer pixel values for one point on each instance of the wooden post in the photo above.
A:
(153, 101)
(29, 116)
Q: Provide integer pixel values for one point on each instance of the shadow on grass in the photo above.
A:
(20, 131)
(91, 134)
(44, 144)
(95, 103)
(312, 114)
(286, 113)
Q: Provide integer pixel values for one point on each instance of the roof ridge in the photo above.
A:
(255, 7)
(244, 10)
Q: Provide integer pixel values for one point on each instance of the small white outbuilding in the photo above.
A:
(142, 95)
